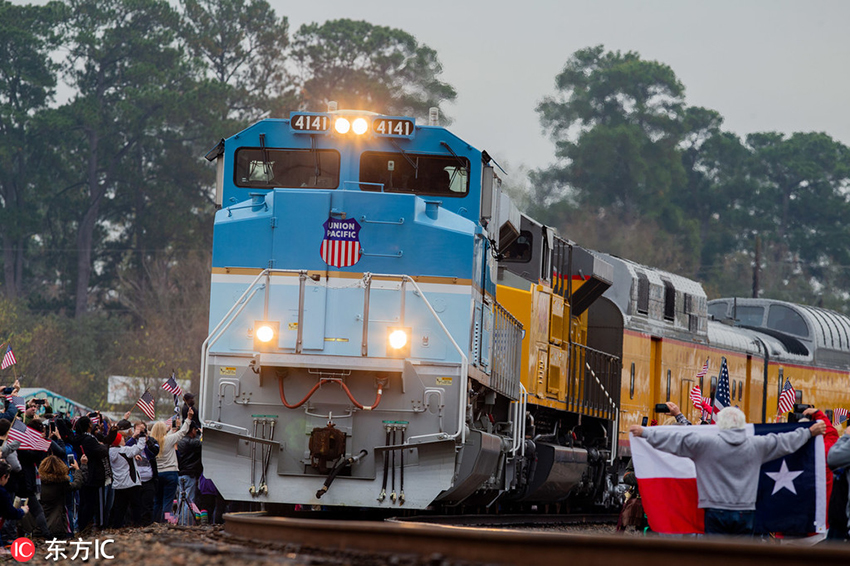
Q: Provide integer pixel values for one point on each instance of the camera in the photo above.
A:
(39, 401)
(8, 390)
(662, 408)
(797, 415)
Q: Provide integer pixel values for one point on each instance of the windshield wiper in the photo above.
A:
(409, 160)
(267, 168)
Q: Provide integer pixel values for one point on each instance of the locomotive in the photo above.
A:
(387, 330)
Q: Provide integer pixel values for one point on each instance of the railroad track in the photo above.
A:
(499, 546)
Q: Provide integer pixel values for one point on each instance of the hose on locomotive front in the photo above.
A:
(337, 469)
(319, 384)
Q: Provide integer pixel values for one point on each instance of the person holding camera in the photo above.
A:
(146, 466)
(93, 501)
(727, 465)
(126, 483)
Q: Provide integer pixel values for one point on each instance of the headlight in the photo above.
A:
(398, 339)
(398, 342)
(360, 126)
(342, 125)
(265, 333)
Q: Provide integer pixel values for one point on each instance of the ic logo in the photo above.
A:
(22, 549)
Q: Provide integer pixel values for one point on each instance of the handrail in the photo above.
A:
(230, 316)
(210, 340)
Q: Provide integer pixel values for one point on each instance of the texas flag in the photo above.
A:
(791, 491)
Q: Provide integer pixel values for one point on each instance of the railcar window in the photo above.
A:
(411, 173)
(669, 301)
(740, 390)
(783, 319)
(734, 388)
(286, 168)
(632, 383)
(643, 293)
(520, 249)
(669, 378)
(750, 316)
(718, 311)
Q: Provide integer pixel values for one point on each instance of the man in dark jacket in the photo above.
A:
(93, 492)
(189, 463)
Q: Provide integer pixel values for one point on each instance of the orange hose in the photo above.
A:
(315, 387)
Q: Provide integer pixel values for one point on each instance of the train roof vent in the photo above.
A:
(509, 221)
(594, 275)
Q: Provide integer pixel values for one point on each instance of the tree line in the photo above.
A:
(107, 107)
(643, 175)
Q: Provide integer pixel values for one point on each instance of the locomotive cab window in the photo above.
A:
(417, 174)
(519, 250)
(286, 168)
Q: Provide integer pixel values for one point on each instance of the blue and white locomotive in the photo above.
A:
(358, 353)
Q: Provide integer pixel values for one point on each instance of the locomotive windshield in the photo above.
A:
(258, 168)
(418, 174)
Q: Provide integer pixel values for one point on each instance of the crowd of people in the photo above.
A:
(728, 465)
(62, 477)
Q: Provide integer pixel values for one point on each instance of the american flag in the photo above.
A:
(146, 405)
(9, 358)
(721, 399)
(29, 438)
(19, 402)
(95, 420)
(840, 415)
(786, 398)
(172, 387)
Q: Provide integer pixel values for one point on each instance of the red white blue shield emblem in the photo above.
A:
(341, 246)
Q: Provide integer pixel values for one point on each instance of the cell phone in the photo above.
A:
(644, 421)
(52, 426)
(39, 401)
(71, 459)
(662, 408)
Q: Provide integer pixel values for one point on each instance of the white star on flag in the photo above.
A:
(784, 478)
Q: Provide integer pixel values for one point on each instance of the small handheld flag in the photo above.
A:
(146, 405)
(8, 359)
(722, 399)
(840, 415)
(786, 398)
(172, 387)
(29, 438)
(19, 402)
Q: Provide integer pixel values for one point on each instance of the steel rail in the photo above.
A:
(501, 546)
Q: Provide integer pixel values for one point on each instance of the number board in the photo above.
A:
(310, 122)
(396, 127)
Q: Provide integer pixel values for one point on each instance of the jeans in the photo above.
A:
(188, 489)
(727, 522)
(166, 489)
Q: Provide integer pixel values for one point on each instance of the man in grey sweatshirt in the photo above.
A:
(727, 465)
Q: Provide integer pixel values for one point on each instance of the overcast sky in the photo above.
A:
(764, 65)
